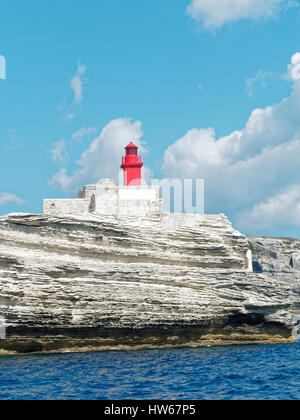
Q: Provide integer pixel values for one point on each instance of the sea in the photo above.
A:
(259, 372)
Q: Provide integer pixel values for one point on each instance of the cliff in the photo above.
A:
(92, 282)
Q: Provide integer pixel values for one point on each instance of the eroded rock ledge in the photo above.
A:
(92, 282)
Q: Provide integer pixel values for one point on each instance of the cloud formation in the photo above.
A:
(102, 159)
(59, 151)
(282, 209)
(77, 83)
(13, 142)
(260, 80)
(213, 14)
(6, 198)
(247, 171)
(294, 67)
(84, 132)
(69, 105)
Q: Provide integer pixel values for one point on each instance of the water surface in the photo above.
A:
(245, 372)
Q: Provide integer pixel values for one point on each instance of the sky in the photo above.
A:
(207, 88)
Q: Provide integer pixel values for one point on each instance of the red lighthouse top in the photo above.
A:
(131, 145)
(132, 166)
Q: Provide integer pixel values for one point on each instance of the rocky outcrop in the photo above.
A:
(284, 250)
(278, 258)
(97, 282)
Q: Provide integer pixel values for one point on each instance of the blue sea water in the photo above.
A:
(241, 372)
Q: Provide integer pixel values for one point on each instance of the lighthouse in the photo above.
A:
(132, 166)
(107, 198)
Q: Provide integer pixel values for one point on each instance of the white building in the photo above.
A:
(107, 198)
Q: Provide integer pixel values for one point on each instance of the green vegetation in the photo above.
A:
(250, 245)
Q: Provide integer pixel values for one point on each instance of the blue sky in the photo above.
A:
(179, 77)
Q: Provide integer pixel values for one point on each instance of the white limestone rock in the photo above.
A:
(91, 281)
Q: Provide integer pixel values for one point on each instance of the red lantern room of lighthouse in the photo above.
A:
(132, 166)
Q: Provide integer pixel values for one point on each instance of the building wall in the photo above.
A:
(107, 198)
(88, 191)
(67, 206)
(140, 201)
(139, 193)
(106, 201)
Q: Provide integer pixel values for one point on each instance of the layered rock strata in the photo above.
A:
(97, 282)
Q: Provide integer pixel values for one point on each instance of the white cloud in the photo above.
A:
(69, 106)
(246, 167)
(6, 198)
(84, 132)
(59, 152)
(294, 67)
(260, 80)
(61, 180)
(281, 209)
(77, 83)
(70, 116)
(216, 13)
(102, 159)
(13, 143)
